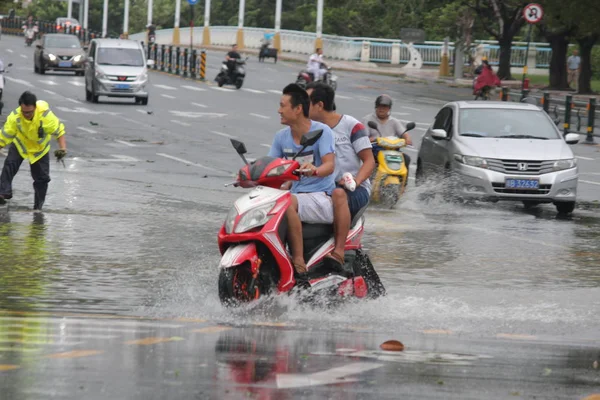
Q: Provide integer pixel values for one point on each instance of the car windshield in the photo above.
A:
(506, 123)
(118, 56)
(63, 42)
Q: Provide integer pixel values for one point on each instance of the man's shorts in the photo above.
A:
(357, 199)
(315, 208)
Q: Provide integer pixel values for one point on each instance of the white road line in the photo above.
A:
(327, 377)
(421, 129)
(260, 116)
(181, 160)
(199, 105)
(88, 130)
(274, 91)
(73, 101)
(339, 96)
(23, 56)
(168, 96)
(586, 158)
(21, 81)
(9, 50)
(126, 143)
(166, 87)
(50, 92)
(222, 134)
(196, 88)
(411, 108)
(590, 182)
(253, 91)
(51, 83)
(266, 145)
(77, 83)
(221, 89)
(180, 123)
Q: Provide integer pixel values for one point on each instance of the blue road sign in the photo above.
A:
(192, 2)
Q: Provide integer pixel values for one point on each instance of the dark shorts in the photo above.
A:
(357, 199)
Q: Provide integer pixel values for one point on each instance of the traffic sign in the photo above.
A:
(533, 13)
(192, 2)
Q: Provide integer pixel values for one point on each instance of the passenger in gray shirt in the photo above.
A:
(386, 124)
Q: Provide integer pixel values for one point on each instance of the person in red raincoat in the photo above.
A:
(486, 78)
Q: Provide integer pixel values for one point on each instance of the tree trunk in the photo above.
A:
(586, 44)
(559, 43)
(504, 59)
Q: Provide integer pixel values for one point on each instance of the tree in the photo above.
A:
(503, 19)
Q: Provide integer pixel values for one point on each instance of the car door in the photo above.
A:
(440, 147)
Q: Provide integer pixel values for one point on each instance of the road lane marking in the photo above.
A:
(199, 105)
(515, 336)
(275, 91)
(75, 354)
(586, 158)
(51, 83)
(260, 116)
(117, 158)
(221, 89)
(77, 83)
(180, 123)
(50, 92)
(196, 88)
(194, 114)
(166, 87)
(327, 377)
(73, 101)
(211, 329)
(154, 340)
(9, 50)
(23, 56)
(411, 108)
(181, 160)
(126, 143)
(266, 145)
(339, 96)
(253, 91)
(590, 182)
(437, 332)
(8, 367)
(88, 130)
(222, 134)
(168, 96)
(20, 81)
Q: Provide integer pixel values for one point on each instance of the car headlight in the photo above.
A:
(255, 217)
(77, 58)
(564, 164)
(143, 76)
(51, 57)
(471, 161)
(100, 74)
(230, 220)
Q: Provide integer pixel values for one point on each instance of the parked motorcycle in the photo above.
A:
(305, 77)
(236, 78)
(390, 177)
(2, 84)
(252, 241)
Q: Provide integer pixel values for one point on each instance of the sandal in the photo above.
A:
(334, 260)
(300, 268)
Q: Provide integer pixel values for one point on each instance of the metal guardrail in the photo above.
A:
(14, 26)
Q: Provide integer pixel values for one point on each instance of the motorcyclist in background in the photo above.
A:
(316, 65)
(485, 78)
(387, 125)
(230, 59)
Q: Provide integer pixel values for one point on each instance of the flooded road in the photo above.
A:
(112, 291)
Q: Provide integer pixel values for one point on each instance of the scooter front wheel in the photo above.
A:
(237, 286)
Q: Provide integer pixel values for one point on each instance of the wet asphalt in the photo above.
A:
(111, 292)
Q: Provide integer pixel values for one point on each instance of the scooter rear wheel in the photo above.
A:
(367, 271)
(237, 287)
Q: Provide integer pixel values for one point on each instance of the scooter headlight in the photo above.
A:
(230, 220)
(254, 218)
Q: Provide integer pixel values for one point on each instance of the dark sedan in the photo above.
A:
(59, 52)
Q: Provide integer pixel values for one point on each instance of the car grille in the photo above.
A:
(65, 58)
(499, 188)
(119, 78)
(516, 167)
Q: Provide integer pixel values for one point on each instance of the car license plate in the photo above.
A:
(121, 86)
(65, 64)
(522, 184)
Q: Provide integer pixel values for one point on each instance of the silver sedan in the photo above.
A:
(500, 151)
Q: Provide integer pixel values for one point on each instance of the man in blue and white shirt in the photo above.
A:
(312, 193)
(353, 154)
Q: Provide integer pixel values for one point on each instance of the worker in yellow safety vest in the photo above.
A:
(29, 129)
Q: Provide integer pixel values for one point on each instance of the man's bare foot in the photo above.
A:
(300, 266)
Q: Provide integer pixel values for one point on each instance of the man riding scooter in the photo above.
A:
(386, 125)
(316, 65)
(231, 59)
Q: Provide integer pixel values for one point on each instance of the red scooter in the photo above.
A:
(252, 241)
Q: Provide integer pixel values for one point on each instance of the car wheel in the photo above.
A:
(94, 96)
(565, 207)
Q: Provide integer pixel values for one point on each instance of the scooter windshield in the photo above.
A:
(258, 167)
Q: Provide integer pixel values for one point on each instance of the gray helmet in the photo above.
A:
(383, 100)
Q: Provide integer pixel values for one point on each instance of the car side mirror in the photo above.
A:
(311, 138)
(150, 63)
(439, 134)
(410, 126)
(572, 138)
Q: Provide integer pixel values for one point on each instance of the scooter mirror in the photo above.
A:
(311, 138)
(410, 126)
(239, 146)
(372, 125)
